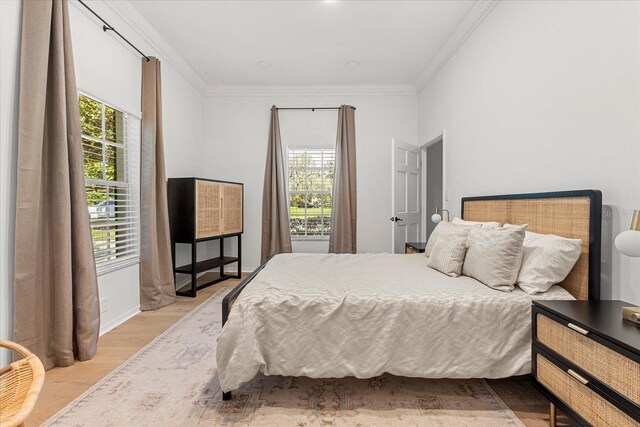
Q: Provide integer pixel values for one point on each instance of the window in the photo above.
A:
(110, 140)
(310, 191)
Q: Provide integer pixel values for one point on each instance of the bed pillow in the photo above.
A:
(447, 256)
(547, 259)
(494, 256)
(453, 231)
(489, 224)
(517, 226)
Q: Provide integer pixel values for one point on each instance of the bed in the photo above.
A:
(331, 316)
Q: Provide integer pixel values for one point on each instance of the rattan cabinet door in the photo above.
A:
(232, 208)
(208, 209)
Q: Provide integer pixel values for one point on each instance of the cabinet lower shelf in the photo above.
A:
(205, 265)
(197, 267)
(203, 281)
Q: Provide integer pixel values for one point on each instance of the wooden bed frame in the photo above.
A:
(571, 214)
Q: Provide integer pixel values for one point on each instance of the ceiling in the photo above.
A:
(305, 42)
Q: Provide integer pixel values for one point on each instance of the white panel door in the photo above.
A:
(406, 204)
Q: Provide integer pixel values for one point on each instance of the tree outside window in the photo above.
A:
(109, 197)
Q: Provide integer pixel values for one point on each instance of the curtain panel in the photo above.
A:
(342, 237)
(276, 235)
(157, 287)
(57, 313)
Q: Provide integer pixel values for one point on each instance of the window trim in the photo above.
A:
(313, 237)
(132, 183)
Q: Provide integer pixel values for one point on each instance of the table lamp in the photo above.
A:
(437, 217)
(628, 242)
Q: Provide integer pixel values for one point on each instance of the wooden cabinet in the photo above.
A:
(202, 210)
(586, 360)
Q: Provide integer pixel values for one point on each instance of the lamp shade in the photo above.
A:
(436, 218)
(628, 242)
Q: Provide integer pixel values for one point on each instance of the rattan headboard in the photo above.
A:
(572, 214)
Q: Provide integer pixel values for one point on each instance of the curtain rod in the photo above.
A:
(309, 108)
(107, 27)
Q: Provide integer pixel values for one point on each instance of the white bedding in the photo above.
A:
(331, 316)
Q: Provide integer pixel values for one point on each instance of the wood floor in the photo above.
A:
(63, 385)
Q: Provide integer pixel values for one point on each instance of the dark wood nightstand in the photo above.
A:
(414, 247)
(586, 361)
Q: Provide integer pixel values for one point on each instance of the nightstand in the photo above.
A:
(414, 247)
(586, 361)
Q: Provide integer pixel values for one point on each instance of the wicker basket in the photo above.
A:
(20, 385)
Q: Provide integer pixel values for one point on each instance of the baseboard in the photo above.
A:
(106, 327)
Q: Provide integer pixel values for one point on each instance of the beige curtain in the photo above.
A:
(342, 238)
(276, 235)
(57, 314)
(157, 288)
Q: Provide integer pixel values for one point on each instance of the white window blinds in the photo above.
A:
(110, 143)
(311, 172)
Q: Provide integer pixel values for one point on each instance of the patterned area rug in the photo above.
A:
(173, 382)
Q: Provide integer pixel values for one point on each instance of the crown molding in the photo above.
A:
(469, 23)
(126, 11)
(311, 90)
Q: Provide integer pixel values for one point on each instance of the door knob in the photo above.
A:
(395, 219)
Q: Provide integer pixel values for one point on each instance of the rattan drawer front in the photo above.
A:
(208, 207)
(595, 409)
(611, 368)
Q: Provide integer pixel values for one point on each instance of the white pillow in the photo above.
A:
(507, 225)
(547, 259)
(489, 224)
(453, 232)
(494, 256)
(447, 256)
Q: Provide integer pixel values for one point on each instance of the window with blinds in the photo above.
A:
(311, 172)
(110, 144)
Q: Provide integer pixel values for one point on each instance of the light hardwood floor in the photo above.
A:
(63, 385)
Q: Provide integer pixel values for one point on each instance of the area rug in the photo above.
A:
(173, 382)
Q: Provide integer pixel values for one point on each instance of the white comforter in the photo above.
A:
(328, 316)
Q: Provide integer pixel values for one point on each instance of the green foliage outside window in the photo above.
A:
(103, 146)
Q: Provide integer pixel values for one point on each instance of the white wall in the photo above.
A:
(108, 69)
(546, 96)
(237, 129)
(10, 13)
